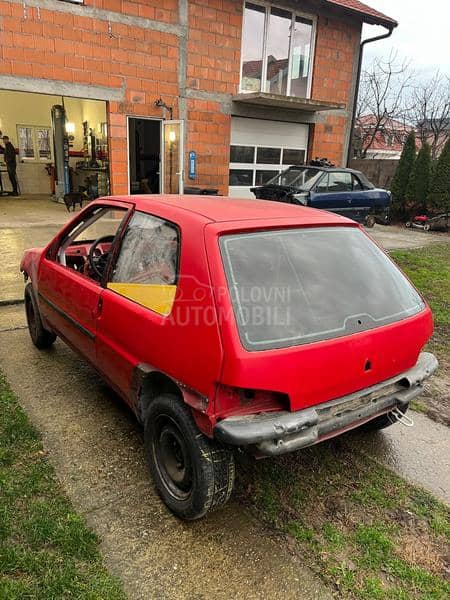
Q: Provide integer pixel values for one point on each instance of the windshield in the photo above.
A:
(302, 178)
(292, 287)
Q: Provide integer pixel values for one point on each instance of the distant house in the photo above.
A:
(379, 141)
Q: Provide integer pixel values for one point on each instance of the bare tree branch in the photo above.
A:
(382, 102)
(430, 111)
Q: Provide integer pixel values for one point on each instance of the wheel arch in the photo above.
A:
(148, 383)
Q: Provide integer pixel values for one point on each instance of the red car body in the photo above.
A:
(196, 351)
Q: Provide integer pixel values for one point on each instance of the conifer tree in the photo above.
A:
(439, 195)
(401, 178)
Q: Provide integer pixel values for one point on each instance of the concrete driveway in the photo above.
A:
(395, 237)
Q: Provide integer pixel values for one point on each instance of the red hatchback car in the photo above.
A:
(228, 323)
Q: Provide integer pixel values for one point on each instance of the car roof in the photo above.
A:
(328, 169)
(226, 209)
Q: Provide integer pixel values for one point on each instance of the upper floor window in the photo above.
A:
(277, 48)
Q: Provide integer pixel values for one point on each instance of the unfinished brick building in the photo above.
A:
(216, 94)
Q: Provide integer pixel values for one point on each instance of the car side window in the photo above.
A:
(86, 247)
(340, 181)
(322, 186)
(356, 184)
(147, 264)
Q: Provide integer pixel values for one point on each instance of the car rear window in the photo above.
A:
(296, 286)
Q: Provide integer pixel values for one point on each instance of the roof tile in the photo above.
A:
(363, 9)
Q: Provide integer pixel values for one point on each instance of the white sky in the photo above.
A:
(422, 35)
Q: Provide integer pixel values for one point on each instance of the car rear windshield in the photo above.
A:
(296, 286)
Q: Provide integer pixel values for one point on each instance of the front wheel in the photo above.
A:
(192, 473)
(41, 337)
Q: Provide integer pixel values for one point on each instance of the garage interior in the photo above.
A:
(61, 145)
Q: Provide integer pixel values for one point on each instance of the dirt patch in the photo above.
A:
(435, 401)
(422, 551)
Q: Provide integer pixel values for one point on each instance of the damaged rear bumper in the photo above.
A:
(281, 432)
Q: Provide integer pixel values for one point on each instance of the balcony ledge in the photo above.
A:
(290, 102)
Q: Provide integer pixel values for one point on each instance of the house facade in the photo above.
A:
(214, 94)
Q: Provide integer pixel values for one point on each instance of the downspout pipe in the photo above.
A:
(358, 76)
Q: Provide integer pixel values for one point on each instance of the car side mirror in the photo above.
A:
(302, 198)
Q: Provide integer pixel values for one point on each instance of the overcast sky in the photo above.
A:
(422, 35)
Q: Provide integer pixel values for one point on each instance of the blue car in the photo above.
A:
(343, 191)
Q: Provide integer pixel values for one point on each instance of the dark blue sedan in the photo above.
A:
(343, 191)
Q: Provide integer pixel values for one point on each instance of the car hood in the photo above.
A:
(281, 193)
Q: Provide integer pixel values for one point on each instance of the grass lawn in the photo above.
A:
(365, 531)
(46, 549)
(429, 270)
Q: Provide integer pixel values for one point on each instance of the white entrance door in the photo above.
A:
(172, 157)
(260, 149)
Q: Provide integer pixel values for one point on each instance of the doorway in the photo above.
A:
(144, 155)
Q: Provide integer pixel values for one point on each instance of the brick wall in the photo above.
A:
(336, 44)
(142, 64)
(213, 62)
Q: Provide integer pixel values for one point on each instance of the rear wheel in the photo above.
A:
(192, 473)
(427, 227)
(370, 221)
(41, 337)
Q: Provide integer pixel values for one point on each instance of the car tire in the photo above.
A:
(41, 337)
(380, 422)
(192, 474)
(370, 221)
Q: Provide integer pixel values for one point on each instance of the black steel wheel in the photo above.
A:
(192, 474)
(41, 337)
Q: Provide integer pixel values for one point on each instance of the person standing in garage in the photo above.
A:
(11, 163)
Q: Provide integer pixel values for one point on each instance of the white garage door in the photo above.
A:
(261, 149)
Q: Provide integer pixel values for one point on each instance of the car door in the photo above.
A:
(69, 291)
(361, 199)
(133, 326)
(333, 192)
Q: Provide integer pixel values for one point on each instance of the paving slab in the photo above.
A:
(97, 449)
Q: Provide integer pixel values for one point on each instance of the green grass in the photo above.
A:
(429, 270)
(364, 530)
(46, 549)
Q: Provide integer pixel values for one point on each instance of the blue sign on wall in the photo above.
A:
(192, 164)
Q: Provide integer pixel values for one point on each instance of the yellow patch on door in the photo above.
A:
(154, 296)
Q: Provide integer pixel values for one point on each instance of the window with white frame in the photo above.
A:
(277, 50)
(255, 165)
(34, 143)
